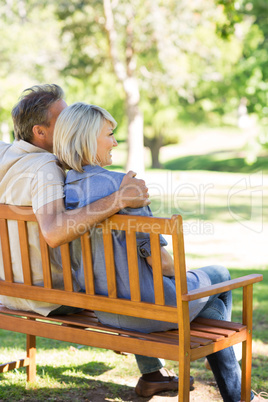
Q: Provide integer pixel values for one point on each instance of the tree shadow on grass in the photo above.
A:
(68, 386)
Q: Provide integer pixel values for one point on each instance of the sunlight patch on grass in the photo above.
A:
(260, 348)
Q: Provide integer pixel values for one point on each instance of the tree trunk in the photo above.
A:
(135, 157)
(154, 144)
(126, 74)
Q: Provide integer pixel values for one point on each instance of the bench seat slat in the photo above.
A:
(236, 326)
(215, 330)
(206, 335)
(201, 341)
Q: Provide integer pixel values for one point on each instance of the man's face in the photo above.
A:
(54, 112)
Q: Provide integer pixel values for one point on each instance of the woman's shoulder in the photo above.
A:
(91, 185)
(95, 173)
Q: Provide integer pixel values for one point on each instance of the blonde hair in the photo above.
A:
(75, 135)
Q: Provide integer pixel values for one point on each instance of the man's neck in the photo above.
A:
(40, 144)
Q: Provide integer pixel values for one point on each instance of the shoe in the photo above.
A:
(150, 388)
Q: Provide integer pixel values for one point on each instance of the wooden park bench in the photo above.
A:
(190, 342)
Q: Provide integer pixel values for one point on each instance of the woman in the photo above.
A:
(83, 142)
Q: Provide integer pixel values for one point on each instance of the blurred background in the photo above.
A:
(187, 82)
(169, 71)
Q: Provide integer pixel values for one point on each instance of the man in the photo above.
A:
(30, 175)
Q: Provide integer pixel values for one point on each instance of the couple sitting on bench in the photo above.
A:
(82, 137)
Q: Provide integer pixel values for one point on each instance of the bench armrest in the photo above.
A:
(222, 287)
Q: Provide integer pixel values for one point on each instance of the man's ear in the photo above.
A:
(38, 131)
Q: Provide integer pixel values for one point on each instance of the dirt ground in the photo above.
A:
(202, 392)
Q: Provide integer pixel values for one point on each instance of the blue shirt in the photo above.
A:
(93, 184)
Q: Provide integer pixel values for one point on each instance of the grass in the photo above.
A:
(66, 372)
(219, 162)
(224, 214)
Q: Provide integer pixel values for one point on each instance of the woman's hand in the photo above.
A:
(167, 263)
(133, 192)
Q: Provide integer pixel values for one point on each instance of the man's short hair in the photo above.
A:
(33, 109)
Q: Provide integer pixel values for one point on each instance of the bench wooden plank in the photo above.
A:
(17, 213)
(201, 341)
(207, 335)
(222, 287)
(87, 264)
(236, 326)
(215, 330)
(157, 269)
(14, 365)
(97, 303)
(133, 268)
(67, 272)
(25, 255)
(46, 266)
(6, 254)
(109, 262)
(142, 224)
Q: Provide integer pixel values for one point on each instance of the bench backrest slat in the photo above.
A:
(181, 282)
(87, 264)
(66, 262)
(6, 255)
(109, 262)
(25, 255)
(133, 269)
(157, 269)
(45, 262)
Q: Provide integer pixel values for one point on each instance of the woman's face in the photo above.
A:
(105, 144)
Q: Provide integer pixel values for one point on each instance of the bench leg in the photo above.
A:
(31, 354)
(184, 379)
(246, 371)
(247, 344)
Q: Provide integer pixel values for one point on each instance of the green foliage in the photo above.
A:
(200, 58)
(226, 27)
(29, 50)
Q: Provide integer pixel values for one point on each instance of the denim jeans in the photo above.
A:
(224, 364)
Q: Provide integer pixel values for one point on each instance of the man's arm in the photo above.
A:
(59, 225)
